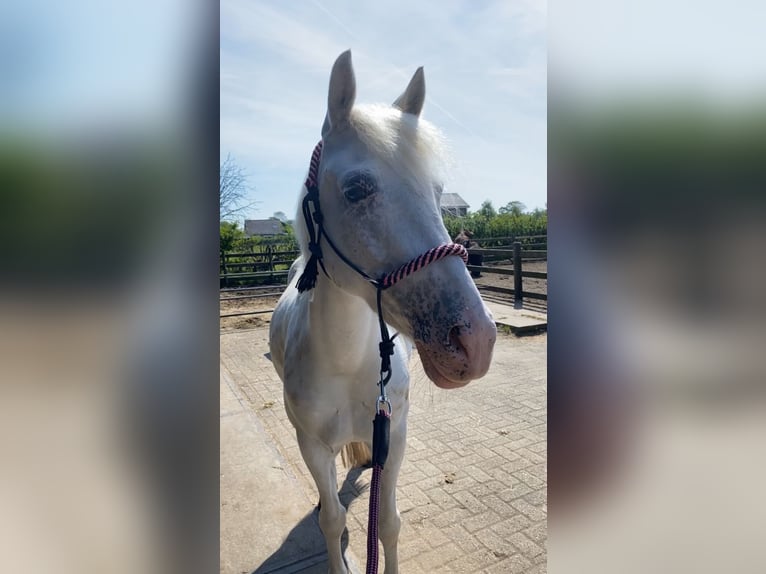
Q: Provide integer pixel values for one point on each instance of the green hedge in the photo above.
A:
(499, 225)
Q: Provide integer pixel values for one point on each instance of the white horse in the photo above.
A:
(379, 184)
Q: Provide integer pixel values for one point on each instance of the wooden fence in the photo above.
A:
(270, 266)
(517, 256)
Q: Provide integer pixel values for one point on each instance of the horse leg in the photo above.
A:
(389, 520)
(332, 515)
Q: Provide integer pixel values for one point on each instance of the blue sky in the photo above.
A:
(485, 67)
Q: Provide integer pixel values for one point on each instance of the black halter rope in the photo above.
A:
(312, 214)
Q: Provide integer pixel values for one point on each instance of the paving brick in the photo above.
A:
(499, 544)
(497, 505)
(478, 474)
(469, 543)
(514, 565)
(470, 563)
(525, 546)
(436, 559)
(531, 456)
(416, 546)
(534, 513)
(537, 497)
(451, 517)
(468, 500)
(442, 497)
(511, 525)
(515, 490)
(434, 536)
(487, 488)
(480, 521)
(529, 478)
(537, 532)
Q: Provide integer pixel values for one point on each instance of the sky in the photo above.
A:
(485, 70)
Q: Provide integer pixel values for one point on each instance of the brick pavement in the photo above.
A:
(472, 490)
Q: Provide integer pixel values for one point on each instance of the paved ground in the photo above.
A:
(472, 490)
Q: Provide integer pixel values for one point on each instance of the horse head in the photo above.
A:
(379, 179)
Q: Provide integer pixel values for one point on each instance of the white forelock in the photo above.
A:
(410, 145)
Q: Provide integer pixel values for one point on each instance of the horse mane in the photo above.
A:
(406, 142)
(409, 144)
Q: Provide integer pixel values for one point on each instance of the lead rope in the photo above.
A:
(382, 422)
(380, 436)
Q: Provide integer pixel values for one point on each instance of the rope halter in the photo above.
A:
(314, 219)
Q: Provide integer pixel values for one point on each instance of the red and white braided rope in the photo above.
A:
(312, 180)
(421, 261)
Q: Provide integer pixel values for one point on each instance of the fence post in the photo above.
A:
(517, 298)
(270, 251)
(225, 272)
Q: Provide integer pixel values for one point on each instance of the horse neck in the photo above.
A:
(343, 324)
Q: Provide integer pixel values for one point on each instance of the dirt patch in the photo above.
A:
(529, 285)
(263, 304)
(506, 281)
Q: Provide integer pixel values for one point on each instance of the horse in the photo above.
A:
(378, 168)
(464, 237)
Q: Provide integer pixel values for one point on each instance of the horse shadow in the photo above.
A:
(304, 549)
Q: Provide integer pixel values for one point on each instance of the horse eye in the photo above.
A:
(358, 187)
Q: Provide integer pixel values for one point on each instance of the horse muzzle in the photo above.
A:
(463, 353)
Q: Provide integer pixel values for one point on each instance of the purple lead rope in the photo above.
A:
(372, 521)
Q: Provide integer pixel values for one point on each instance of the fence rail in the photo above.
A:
(512, 238)
(255, 274)
(512, 293)
(268, 264)
(264, 253)
(527, 241)
(506, 271)
(527, 253)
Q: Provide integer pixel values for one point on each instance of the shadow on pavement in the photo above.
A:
(304, 550)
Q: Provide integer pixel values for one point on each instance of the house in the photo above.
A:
(453, 204)
(263, 227)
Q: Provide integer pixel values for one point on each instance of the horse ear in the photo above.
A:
(326, 125)
(342, 92)
(411, 101)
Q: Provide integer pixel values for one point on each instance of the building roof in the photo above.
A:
(263, 227)
(452, 201)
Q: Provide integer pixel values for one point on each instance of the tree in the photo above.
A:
(513, 207)
(230, 233)
(487, 209)
(280, 215)
(232, 195)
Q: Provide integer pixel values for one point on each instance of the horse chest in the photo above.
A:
(340, 409)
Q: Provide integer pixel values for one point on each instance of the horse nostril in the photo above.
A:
(455, 340)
